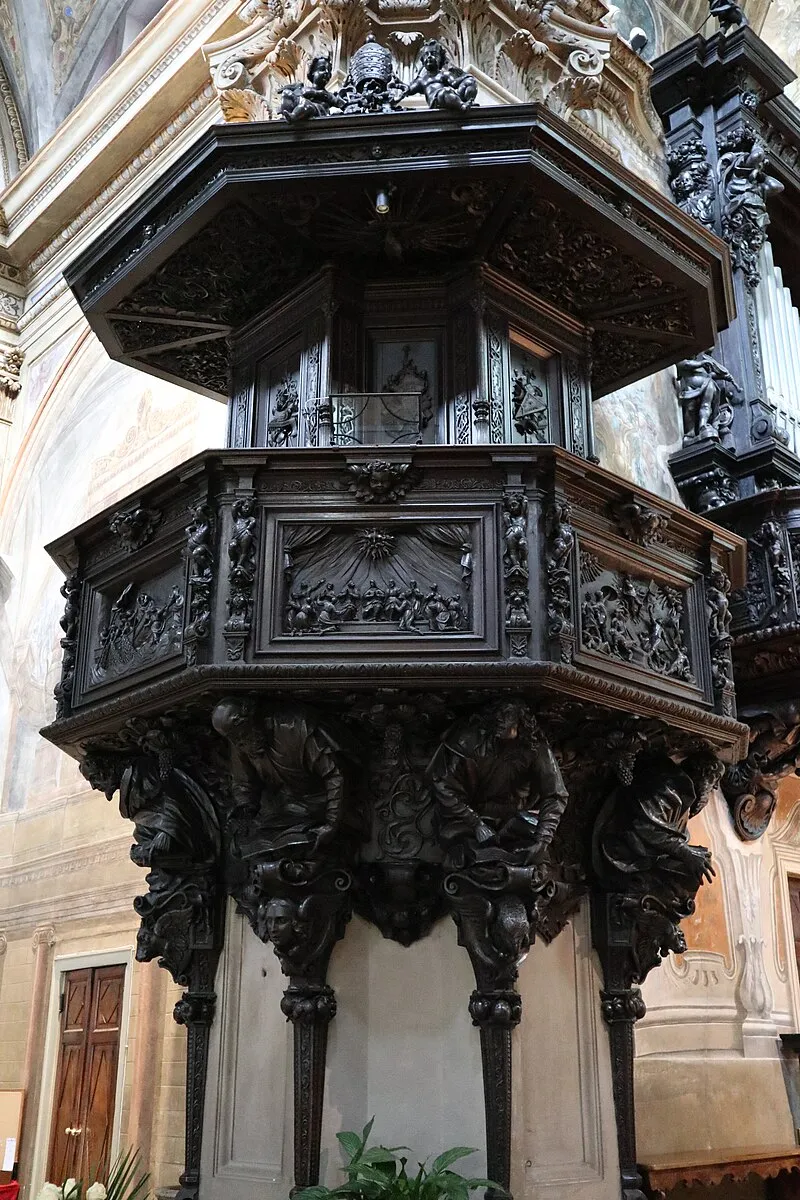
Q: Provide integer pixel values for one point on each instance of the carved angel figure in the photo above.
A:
(729, 14)
(302, 101)
(443, 85)
(705, 389)
(289, 775)
(641, 844)
(498, 787)
(745, 187)
(515, 521)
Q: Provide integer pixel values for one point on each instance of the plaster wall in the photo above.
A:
(86, 433)
(402, 1049)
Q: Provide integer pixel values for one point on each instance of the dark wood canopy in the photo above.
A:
(250, 211)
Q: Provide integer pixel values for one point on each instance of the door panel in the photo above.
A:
(100, 1074)
(69, 1076)
(86, 1078)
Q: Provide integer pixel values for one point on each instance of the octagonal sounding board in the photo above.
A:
(252, 212)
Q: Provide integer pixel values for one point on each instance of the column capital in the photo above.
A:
(45, 935)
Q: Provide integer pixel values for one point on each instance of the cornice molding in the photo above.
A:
(157, 78)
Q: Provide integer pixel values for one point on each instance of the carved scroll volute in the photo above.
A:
(750, 787)
(646, 877)
(177, 837)
(292, 833)
(499, 879)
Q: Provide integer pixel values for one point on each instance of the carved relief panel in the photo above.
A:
(132, 605)
(381, 583)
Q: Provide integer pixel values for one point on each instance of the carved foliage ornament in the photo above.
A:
(135, 527)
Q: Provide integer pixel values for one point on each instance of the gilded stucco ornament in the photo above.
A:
(450, 56)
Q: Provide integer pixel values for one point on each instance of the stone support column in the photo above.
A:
(149, 1009)
(44, 939)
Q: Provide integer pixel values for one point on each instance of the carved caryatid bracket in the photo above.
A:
(169, 789)
(201, 555)
(499, 879)
(750, 787)
(744, 186)
(71, 591)
(241, 576)
(647, 874)
(291, 841)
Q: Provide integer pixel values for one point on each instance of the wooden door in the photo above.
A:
(86, 1079)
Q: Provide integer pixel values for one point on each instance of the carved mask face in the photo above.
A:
(279, 923)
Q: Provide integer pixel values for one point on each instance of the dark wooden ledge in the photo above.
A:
(710, 1168)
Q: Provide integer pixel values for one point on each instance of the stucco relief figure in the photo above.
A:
(641, 846)
(288, 771)
(705, 391)
(499, 789)
(442, 84)
(302, 101)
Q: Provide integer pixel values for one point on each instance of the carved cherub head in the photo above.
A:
(432, 56)
(320, 70)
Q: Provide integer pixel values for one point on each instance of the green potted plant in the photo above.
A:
(126, 1181)
(378, 1173)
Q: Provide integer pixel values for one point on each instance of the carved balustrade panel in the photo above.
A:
(311, 565)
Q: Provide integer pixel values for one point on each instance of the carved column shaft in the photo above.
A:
(622, 1006)
(310, 1009)
(195, 1010)
(496, 1015)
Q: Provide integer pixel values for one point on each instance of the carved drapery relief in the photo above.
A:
(296, 60)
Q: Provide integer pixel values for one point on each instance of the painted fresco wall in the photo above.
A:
(89, 432)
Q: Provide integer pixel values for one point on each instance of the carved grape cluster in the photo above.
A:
(309, 1006)
(503, 1009)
